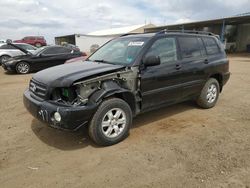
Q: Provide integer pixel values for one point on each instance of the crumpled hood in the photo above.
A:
(64, 75)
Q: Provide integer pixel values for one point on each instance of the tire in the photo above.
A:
(209, 94)
(4, 58)
(22, 67)
(105, 132)
(38, 45)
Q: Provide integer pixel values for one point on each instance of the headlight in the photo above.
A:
(9, 61)
(57, 116)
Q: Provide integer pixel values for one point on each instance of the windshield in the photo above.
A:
(37, 51)
(121, 51)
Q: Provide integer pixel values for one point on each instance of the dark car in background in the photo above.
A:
(40, 59)
(36, 41)
(127, 76)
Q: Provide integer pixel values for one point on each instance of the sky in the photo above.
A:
(50, 18)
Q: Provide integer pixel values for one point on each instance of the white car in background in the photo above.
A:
(2, 41)
(7, 51)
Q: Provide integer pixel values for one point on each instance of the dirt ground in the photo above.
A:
(177, 146)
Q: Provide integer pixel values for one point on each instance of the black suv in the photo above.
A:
(127, 76)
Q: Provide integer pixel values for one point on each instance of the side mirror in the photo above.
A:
(152, 61)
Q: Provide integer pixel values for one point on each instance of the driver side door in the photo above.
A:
(160, 84)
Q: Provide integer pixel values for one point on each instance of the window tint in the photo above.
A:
(211, 46)
(56, 50)
(7, 47)
(165, 48)
(190, 47)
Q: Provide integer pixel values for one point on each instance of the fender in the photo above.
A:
(108, 89)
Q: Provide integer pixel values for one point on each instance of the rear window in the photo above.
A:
(211, 46)
(190, 47)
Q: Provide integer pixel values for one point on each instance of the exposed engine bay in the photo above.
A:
(93, 89)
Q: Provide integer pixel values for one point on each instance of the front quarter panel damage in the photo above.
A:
(124, 83)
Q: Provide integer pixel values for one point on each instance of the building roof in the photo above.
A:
(120, 30)
(241, 19)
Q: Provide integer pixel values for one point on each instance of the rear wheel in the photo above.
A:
(22, 68)
(38, 45)
(209, 94)
(4, 58)
(111, 122)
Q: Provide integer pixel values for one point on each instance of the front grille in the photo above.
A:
(38, 89)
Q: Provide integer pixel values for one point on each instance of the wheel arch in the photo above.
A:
(219, 78)
(112, 89)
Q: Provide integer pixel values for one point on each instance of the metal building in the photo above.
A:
(89, 42)
(233, 31)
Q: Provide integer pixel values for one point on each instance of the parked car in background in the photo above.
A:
(36, 41)
(40, 59)
(93, 48)
(7, 51)
(77, 59)
(127, 76)
(2, 41)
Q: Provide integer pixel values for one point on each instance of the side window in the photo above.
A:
(190, 47)
(56, 50)
(50, 51)
(211, 46)
(62, 50)
(202, 47)
(165, 48)
(7, 47)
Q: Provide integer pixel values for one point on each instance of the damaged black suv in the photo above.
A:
(127, 76)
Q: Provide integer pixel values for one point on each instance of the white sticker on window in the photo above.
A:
(138, 43)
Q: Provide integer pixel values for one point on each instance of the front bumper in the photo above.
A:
(72, 117)
(7, 67)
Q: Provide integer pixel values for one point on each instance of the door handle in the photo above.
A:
(206, 61)
(178, 67)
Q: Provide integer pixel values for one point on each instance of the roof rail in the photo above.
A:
(129, 34)
(185, 31)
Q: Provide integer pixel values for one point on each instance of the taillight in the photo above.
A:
(83, 54)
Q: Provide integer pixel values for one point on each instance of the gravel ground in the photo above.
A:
(177, 146)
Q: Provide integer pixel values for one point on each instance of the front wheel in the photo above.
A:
(111, 122)
(209, 94)
(4, 58)
(22, 68)
(38, 45)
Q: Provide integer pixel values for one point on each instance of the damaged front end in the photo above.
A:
(72, 107)
(92, 90)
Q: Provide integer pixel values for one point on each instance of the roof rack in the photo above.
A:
(185, 31)
(126, 34)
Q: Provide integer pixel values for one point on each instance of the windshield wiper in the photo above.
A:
(102, 61)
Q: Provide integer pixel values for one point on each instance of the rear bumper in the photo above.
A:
(72, 118)
(225, 78)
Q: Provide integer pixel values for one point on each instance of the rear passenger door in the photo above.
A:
(160, 84)
(193, 64)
